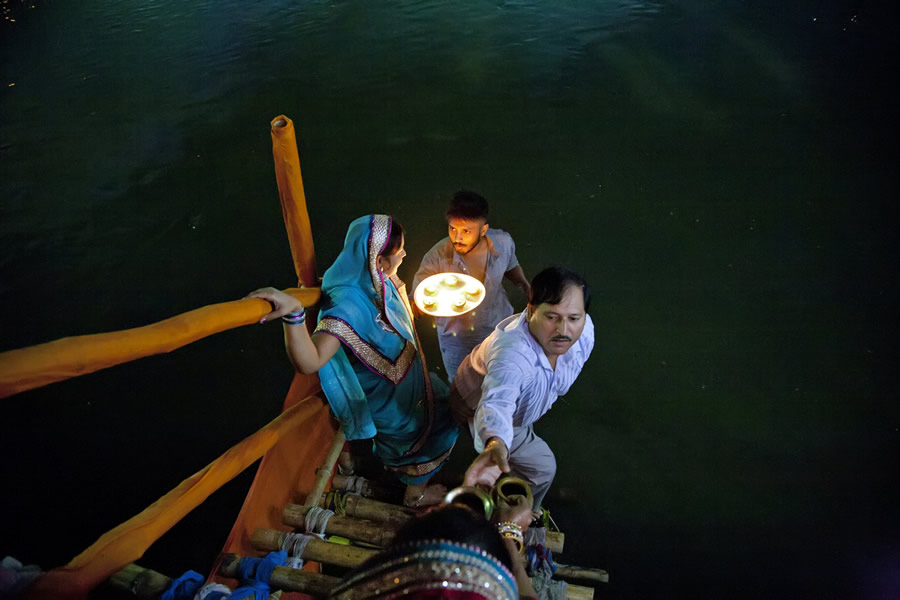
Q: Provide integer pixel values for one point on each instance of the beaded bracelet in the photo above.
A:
(295, 318)
(508, 529)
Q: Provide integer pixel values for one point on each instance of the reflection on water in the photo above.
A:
(714, 170)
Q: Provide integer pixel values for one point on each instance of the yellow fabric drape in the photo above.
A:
(40, 365)
(293, 200)
(128, 542)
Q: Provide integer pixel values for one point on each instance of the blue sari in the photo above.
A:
(377, 383)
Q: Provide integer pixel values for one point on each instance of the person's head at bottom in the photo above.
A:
(450, 552)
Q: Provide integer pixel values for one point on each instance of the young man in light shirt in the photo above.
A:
(488, 255)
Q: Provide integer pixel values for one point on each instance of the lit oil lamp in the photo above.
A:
(448, 294)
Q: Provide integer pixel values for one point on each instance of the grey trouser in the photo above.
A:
(532, 459)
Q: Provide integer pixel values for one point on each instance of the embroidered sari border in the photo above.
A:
(417, 470)
(394, 371)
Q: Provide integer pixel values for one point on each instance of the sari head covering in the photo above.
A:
(430, 569)
(386, 393)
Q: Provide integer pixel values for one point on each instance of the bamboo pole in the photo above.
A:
(585, 573)
(579, 592)
(323, 473)
(293, 200)
(43, 364)
(373, 510)
(377, 534)
(342, 555)
(140, 582)
(555, 541)
(368, 488)
(286, 578)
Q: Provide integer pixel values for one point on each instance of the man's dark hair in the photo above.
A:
(467, 205)
(550, 284)
(455, 523)
(394, 239)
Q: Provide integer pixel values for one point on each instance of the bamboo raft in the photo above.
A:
(302, 434)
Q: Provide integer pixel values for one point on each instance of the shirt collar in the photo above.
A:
(490, 244)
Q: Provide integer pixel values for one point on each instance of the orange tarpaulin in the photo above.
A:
(286, 474)
(43, 364)
(128, 542)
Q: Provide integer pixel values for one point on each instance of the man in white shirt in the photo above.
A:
(512, 378)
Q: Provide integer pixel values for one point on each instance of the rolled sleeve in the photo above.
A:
(499, 396)
(513, 261)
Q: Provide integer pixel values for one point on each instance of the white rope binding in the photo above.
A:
(316, 520)
(209, 588)
(295, 544)
(355, 484)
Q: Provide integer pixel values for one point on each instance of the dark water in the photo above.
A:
(719, 173)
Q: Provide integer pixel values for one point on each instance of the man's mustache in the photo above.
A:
(561, 338)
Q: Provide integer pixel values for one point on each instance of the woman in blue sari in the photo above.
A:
(368, 357)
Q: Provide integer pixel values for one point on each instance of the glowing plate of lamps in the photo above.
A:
(448, 294)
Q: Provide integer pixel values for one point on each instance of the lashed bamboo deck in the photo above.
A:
(366, 521)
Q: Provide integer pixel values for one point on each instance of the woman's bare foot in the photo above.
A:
(420, 495)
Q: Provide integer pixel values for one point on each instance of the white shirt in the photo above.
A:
(517, 384)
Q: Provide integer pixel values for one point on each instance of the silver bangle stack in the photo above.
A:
(298, 317)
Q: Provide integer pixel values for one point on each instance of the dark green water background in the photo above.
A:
(718, 171)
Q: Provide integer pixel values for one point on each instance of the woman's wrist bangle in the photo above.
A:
(298, 317)
(508, 529)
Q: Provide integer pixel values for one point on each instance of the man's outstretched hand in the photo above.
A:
(490, 464)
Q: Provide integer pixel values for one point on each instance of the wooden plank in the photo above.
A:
(140, 582)
(586, 573)
(579, 592)
(378, 534)
(323, 473)
(374, 510)
(556, 541)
